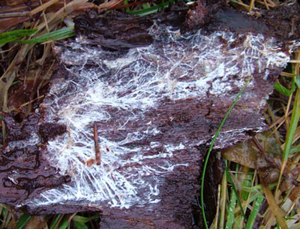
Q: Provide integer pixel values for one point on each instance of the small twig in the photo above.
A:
(14, 14)
(258, 145)
(25, 104)
(110, 4)
(43, 7)
(97, 148)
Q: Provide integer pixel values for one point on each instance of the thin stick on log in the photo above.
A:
(97, 148)
(14, 14)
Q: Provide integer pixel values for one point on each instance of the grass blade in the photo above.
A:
(231, 209)
(297, 80)
(152, 9)
(210, 149)
(292, 150)
(290, 134)
(15, 35)
(55, 35)
(64, 225)
(79, 225)
(235, 192)
(293, 126)
(254, 212)
(82, 219)
(23, 220)
(56, 220)
(283, 90)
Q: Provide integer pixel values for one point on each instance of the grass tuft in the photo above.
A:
(210, 150)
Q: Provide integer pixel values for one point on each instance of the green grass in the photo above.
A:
(210, 150)
(15, 35)
(291, 131)
(148, 9)
(52, 36)
(23, 220)
(235, 192)
(254, 212)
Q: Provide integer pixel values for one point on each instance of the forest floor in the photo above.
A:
(27, 34)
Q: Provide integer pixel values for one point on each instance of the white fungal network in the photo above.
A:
(114, 92)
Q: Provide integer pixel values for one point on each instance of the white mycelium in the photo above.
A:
(174, 67)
